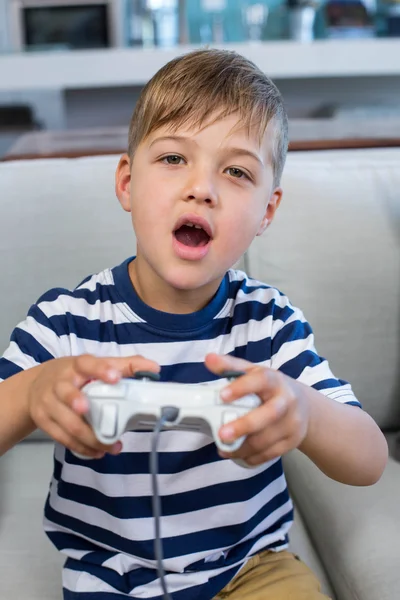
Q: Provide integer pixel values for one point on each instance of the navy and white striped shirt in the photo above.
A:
(216, 514)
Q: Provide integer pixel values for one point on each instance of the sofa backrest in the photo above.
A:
(334, 249)
(59, 222)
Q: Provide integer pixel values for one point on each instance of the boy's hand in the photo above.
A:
(56, 403)
(278, 425)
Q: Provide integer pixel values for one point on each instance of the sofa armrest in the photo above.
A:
(356, 530)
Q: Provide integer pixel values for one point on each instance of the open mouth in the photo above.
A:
(192, 235)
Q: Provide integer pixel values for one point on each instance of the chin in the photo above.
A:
(190, 278)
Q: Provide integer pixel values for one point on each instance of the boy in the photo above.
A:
(207, 145)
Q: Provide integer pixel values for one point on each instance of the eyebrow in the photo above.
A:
(169, 138)
(244, 152)
(231, 150)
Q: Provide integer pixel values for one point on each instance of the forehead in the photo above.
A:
(221, 132)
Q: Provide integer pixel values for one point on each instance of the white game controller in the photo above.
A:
(137, 404)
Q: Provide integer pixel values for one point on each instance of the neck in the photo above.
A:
(156, 293)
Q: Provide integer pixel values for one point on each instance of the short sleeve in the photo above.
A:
(34, 341)
(293, 352)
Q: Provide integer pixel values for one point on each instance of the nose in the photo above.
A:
(200, 187)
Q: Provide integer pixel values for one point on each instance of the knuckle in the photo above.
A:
(44, 400)
(75, 428)
(280, 380)
(102, 448)
(252, 445)
(256, 460)
(94, 443)
(40, 416)
(59, 438)
(252, 421)
(42, 411)
(281, 448)
(104, 362)
(78, 360)
(279, 408)
(296, 423)
(291, 397)
(91, 440)
(68, 393)
(59, 389)
(80, 449)
(82, 361)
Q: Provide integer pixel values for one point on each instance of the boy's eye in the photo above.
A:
(172, 159)
(238, 173)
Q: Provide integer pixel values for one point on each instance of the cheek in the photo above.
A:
(244, 219)
(149, 206)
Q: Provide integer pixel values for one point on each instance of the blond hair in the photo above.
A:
(190, 88)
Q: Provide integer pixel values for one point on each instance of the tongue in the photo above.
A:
(190, 236)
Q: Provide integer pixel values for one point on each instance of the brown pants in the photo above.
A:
(273, 576)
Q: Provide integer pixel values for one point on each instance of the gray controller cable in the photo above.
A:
(168, 414)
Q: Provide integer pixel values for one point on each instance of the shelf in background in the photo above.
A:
(134, 67)
(304, 134)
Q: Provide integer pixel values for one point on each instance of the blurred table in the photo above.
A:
(304, 134)
(336, 133)
(69, 143)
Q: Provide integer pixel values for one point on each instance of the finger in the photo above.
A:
(76, 428)
(71, 396)
(129, 365)
(259, 442)
(271, 453)
(58, 434)
(260, 380)
(217, 363)
(110, 370)
(256, 420)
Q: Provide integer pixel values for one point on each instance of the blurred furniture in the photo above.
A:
(38, 25)
(305, 134)
(121, 67)
(69, 143)
(17, 117)
(15, 120)
(333, 248)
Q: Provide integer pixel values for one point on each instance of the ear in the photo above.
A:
(272, 206)
(123, 182)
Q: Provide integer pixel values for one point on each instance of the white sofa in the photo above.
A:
(333, 248)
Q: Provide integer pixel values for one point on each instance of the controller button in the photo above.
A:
(108, 420)
(106, 390)
(147, 375)
(232, 374)
(251, 401)
(228, 416)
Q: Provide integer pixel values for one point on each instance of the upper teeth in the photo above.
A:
(195, 226)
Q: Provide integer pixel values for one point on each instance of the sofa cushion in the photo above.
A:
(355, 530)
(334, 249)
(30, 567)
(301, 544)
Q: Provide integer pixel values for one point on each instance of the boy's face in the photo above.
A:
(218, 179)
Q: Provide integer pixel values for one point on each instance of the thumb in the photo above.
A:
(129, 365)
(110, 369)
(218, 363)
